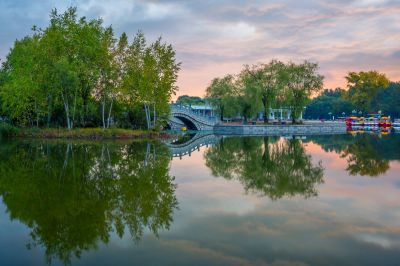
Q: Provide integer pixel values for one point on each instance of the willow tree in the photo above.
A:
(248, 95)
(302, 82)
(266, 82)
(223, 93)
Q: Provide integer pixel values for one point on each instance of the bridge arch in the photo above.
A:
(188, 123)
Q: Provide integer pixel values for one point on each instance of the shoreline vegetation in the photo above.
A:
(9, 131)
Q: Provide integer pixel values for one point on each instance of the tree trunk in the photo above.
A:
(293, 114)
(49, 110)
(109, 114)
(146, 109)
(73, 112)
(66, 107)
(154, 115)
(266, 111)
(37, 115)
(103, 107)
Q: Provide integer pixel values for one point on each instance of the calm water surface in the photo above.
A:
(317, 200)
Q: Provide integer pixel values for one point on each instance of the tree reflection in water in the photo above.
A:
(72, 196)
(366, 154)
(270, 166)
(363, 159)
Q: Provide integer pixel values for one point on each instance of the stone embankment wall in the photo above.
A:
(306, 129)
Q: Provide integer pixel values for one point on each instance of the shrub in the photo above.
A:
(7, 130)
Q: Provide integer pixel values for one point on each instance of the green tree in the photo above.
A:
(151, 74)
(75, 72)
(21, 97)
(266, 81)
(190, 100)
(302, 82)
(248, 98)
(364, 86)
(387, 100)
(330, 101)
(223, 93)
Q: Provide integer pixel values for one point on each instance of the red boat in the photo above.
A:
(385, 122)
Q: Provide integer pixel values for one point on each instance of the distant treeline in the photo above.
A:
(338, 103)
(76, 73)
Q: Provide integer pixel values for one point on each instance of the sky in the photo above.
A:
(215, 38)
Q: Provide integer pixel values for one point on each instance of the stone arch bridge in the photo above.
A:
(185, 116)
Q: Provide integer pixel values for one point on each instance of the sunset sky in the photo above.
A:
(213, 38)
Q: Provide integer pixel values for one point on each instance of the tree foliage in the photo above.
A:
(263, 86)
(190, 100)
(75, 72)
(331, 103)
(302, 83)
(363, 87)
(336, 102)
(223, 93)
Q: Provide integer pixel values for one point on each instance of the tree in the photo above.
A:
(302, 82)
(222, 93)
(248, 95)
(266, 81)
(151, 74)
(364, 86)
(387, 100)
(266, 85)
(75, 72)
(19, 91)
(330, 101)
(190, 100)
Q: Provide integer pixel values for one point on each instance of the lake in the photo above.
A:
(202, 200)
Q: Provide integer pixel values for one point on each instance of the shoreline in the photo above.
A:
(129, 134)
(83, 134)
(270, 129)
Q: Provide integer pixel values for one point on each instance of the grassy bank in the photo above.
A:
(79, 133)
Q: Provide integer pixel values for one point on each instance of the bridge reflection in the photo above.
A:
(186, 144)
